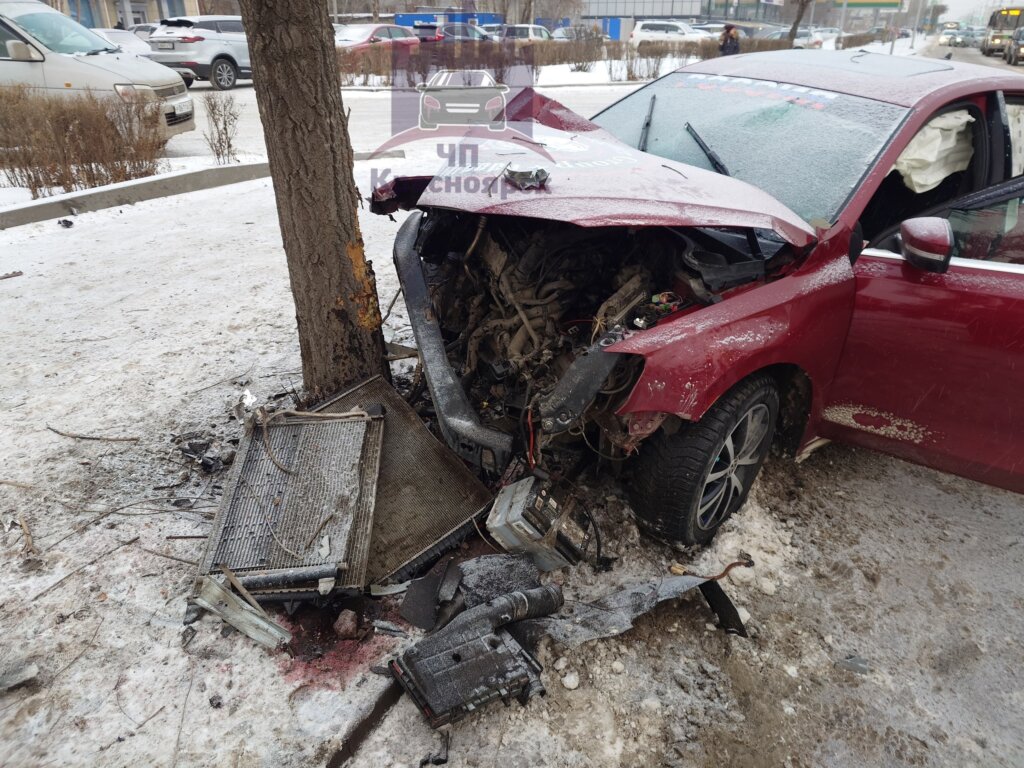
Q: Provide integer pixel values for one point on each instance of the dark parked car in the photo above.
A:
(751, 248)
(358, 38)
(1011, 52)
(450, 33)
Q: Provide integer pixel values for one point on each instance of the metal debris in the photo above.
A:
(298, 506)
(450, 587)
(426, 496)
(614, 613)
(526, 178)
(526, 518)
(217, 599)
(474, 660)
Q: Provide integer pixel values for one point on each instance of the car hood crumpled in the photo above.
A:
(593, 180)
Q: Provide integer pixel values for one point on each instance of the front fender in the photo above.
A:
(801, 319)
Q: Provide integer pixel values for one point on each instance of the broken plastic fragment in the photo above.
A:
(526, 178)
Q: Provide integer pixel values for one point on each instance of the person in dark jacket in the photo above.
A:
(729, 41)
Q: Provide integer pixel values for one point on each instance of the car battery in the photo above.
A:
(522, 519)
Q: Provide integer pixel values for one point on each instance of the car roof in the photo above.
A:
(901, 80)
(202, 18)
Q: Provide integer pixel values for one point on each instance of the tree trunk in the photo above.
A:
(800, 8)
(299, 96)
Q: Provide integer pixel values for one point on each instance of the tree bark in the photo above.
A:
(800, 8)
(297, 88)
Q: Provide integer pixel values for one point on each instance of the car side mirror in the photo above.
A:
(21, 51)
(927, 243)
(374, 39)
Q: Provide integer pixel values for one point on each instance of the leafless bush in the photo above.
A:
(708, 49)
(855, 41)
(615, 53)
(583, 53)
(650, 59)
(222, 121)
(53, 144)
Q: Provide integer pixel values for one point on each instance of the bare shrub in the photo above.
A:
(583, 53)
(615, 53)
(652, 56)
(53, 144)
(222, 121)
(855, 41)
(500, 61)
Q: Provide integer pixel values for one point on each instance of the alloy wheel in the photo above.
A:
(735, 467)
(225, 75)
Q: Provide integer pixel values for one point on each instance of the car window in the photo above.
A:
(210, 25)
(1015, 122)
(937, 166)
(230, 26)
(993, 233)
(5, 35)
(824, 141)
(56, 31)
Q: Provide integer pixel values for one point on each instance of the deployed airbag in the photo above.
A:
(941, 148)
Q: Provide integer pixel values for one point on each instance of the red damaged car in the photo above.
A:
(808, 246)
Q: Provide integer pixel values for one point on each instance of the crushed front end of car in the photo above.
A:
(520, 295)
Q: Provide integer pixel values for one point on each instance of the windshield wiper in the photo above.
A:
(97, 51)
(714, 159)
(646, 129)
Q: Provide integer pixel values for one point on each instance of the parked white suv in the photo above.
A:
(665, 32)
(213, 47)
(43, 49)
(525, 32)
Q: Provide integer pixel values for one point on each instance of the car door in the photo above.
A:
(234, 36)
(933, 365)
(16, 73)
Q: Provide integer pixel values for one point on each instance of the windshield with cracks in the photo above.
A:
(808, 148)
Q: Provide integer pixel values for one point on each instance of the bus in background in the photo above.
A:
(1001, 25)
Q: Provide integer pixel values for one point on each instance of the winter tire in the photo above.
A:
(684, 485)
(223, 75)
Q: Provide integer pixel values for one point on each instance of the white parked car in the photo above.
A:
(645, 32)
(493, 31)
(213, 47)
(804, 38)
(44, 49)
(948, 36)
(525, 32)
(129, 42)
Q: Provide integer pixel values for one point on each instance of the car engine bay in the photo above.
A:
(526, 308)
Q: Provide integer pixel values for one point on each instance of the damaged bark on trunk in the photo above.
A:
(299, 98)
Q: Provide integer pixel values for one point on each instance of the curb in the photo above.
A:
(138, 190)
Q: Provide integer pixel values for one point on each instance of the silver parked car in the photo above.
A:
(213, 47)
